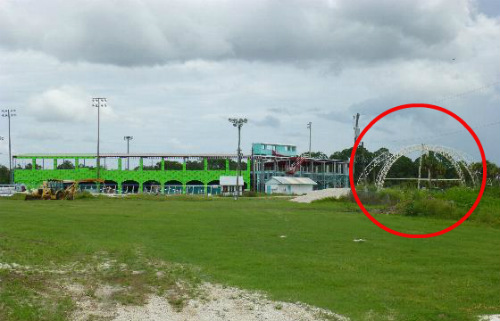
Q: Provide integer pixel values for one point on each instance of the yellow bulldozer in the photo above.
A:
(56, 189)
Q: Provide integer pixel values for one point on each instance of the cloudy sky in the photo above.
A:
(174, 71)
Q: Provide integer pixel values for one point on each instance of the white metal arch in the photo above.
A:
(379, 160)
(455, 157)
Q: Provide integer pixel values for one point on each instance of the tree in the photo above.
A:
(492, 171)
(30, 166)
(318, 155)
(194, 165)
(363, 158)
(66, 165)
(433, 164)
(4, 175)
(403, 167)
(173, 165)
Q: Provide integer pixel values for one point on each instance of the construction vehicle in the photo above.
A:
(56, 189)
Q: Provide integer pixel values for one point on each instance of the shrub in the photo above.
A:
(17, 197)
(83, 195)
(371, 196)
(250, 194)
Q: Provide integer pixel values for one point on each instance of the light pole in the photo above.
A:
(238, 122)
(98, 102)
(356, 135)
(128, 139)
(9, 113)
(309, 126)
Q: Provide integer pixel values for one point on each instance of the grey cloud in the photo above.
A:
(131, 33)
(268, 121)
(200, 64)
(280, 111)
(335, 115)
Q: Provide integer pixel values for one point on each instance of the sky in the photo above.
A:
(174, 71)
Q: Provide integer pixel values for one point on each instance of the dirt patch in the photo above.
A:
(321, 194)
(104, 289)
(218, 303)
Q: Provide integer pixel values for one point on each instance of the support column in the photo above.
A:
(227, 165)
(205, 164)
(33, 164)
(77, 163)
(140, 187)
(119, 187)
(162, 164)
(55, 163)
(119, 164)
(141, 163)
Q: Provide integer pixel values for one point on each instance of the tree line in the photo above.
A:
(433, 165)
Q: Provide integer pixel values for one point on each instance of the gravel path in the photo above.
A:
(225, 304)
(324, 193)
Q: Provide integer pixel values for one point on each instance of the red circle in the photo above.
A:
(387, 112)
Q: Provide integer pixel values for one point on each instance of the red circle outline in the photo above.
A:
(401, 107)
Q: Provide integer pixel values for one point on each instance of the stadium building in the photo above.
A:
(178, 173)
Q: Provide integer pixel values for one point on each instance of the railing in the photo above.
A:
(155, 189)
(8, 190)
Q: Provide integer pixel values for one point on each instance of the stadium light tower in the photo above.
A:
(238, 122)
(309, 126)
(357, 131)
(98, 102)
(9, 113)
(128, 139)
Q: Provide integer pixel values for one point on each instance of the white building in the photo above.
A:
(228, 185)
(289, 185)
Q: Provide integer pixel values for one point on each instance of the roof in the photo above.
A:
(152, 155)
(275, 144)
(230, 180)
(293, 180)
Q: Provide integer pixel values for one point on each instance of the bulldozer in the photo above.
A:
(56, 189)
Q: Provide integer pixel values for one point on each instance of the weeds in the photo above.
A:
(451, 203)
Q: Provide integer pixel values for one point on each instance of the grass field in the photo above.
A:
(293, 252)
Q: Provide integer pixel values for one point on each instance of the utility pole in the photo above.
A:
(98, 102)
(128, 139)
(238, 122)
(420, 167)
(356, 135)
(309, 126)
(9, 113)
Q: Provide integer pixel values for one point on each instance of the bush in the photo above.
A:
(431, 207)
(83, 195)
(371, 196)
(250, 194)
(17, 197)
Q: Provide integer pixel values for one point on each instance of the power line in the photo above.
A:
(442, 134)
(465, 93)
(373, 115)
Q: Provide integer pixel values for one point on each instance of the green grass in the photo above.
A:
(451, 277)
